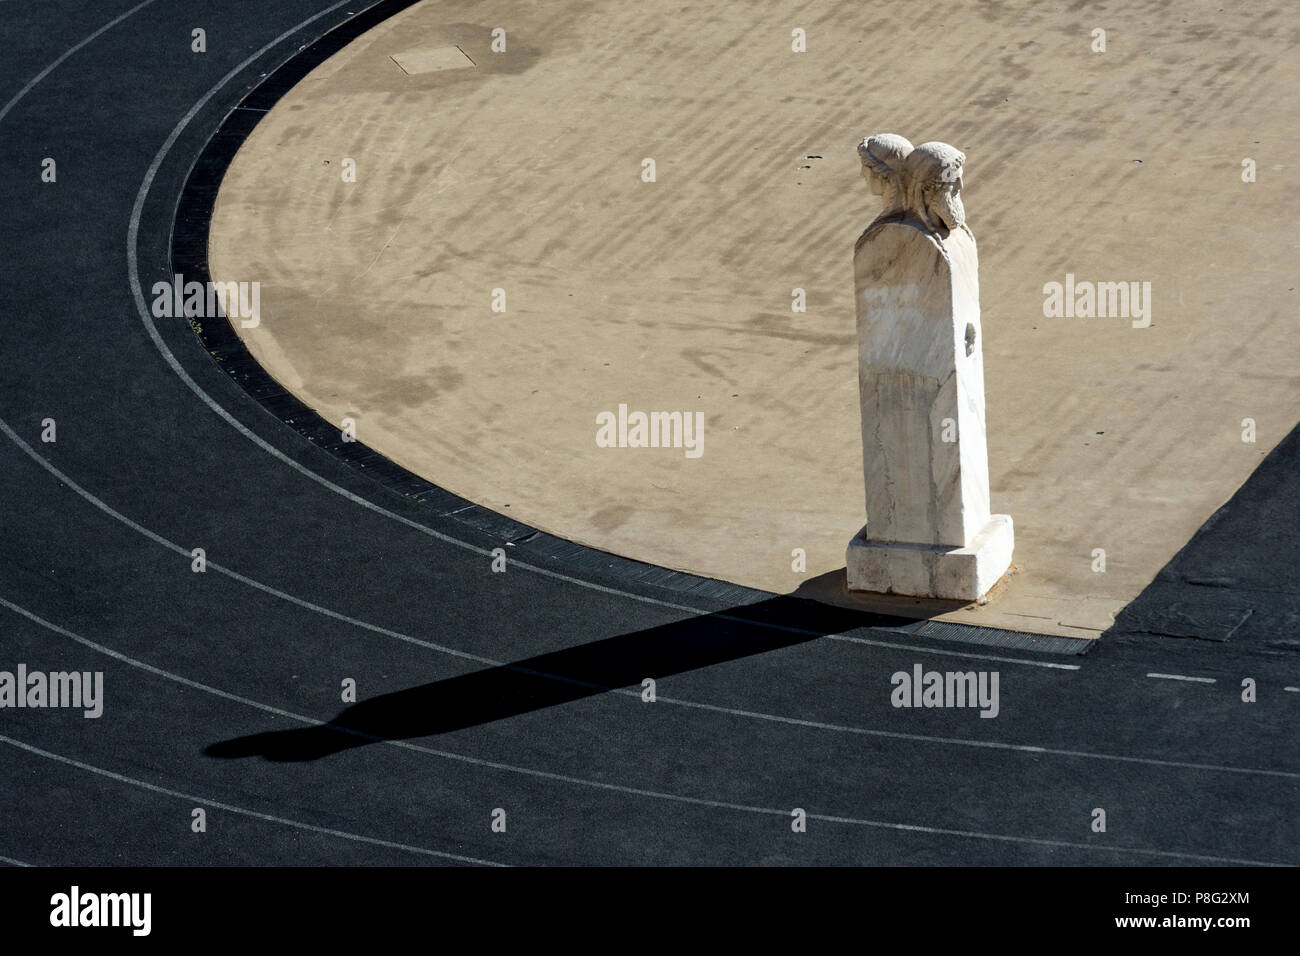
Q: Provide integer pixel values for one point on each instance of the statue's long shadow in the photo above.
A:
(561, 677)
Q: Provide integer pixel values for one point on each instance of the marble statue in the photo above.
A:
(929, 530)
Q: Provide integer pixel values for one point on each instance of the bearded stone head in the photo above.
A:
(933, 172)
(882, 158)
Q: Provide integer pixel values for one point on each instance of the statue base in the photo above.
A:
(920, 570)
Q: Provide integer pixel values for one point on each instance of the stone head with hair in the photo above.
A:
(933, 172)
(883, 156)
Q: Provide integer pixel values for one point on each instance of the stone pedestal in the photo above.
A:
(929, 532)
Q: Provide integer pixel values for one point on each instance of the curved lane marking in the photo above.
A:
(241, 811)
(4, 110)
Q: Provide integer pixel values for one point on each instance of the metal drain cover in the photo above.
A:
(414, 62)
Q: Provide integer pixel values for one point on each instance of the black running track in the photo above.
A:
(480, 691)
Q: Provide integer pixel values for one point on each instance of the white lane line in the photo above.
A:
(12, 862)
(1196, 680)
(917, 649)
(614, 787)
(241, 811)
(966, 742)
(4, 110)
(146, 317)
(1042, 842)
(1293, 690)
(864, 731)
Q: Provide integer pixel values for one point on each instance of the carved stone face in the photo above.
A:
(882, 158)
(935, 173)
(943, 202)
(874, 180)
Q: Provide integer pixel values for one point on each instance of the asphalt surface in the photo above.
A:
(518, 691)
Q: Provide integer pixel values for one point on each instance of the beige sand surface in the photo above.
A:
(523, 172)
